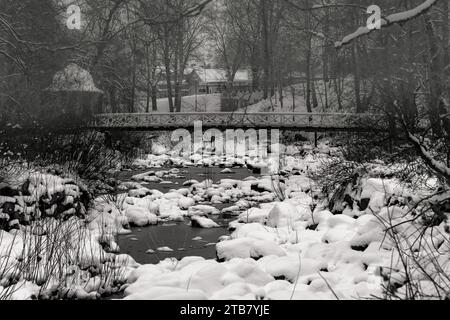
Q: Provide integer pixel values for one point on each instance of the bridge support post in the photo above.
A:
(315, 139)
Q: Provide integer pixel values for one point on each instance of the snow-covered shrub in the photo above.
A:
(62, 256)
(49, 249)
(420, 235)
(62, 259)
(338, 179)
(278, 188)
(89, 155)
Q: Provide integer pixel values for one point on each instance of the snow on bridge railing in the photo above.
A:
(164, 121)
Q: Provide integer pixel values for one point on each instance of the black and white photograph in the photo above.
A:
(229, 153)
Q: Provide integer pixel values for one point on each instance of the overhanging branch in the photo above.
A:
(392, 19)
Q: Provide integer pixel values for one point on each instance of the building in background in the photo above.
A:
(212, 81)
(162, 89)
(72, 96)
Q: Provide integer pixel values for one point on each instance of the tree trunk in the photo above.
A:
(255, 78)
(337, 88)
(308, 77)
(356, 78)
(326, 58)
(308, 59)
(178, 88)
(280, 93)
(168, 81)
(445, 44)
(149, 76)
(154, 98)
(293, 98)
(113, 99)
(436, 79)
(325, 85)
(147, 104)
(266, 47)
(354, 52)
(133, 91)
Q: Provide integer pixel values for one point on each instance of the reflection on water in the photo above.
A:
(180, 237)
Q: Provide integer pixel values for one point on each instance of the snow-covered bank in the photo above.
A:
(59, 260)
(34, 195)
(48, 249)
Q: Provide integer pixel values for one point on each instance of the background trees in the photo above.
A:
(122, 44)
(226, 36)
(291, 47)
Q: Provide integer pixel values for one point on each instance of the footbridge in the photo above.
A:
(314, 122)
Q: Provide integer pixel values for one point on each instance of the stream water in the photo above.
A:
(183, 240)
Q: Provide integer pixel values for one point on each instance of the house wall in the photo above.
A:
(162, 90)
(217, 87)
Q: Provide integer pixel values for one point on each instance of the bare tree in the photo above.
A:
(225, 36)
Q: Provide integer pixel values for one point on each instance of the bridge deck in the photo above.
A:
(223, 120)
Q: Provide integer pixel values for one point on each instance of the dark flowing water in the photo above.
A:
(179, 237)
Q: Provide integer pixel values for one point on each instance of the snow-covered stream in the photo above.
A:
(177, 229)
(152, 244)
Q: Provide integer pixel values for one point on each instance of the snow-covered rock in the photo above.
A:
(158, 149)
(283, 214)
(202, 222)
(202, 210)
(140, 217)
(247, 248)
(185, 203)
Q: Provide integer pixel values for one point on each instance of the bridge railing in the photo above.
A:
(247, 120)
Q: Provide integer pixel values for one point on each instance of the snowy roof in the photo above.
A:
(73, 78)
(220, 75)
(242, 75)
